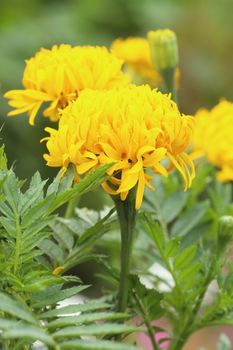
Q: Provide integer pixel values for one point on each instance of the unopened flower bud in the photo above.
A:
(164, 49)
(225, 230)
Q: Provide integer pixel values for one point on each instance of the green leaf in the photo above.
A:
(190, 272)
(14, 308)
(12, 191)
(34, 194)
(95, 345)
(38, 211)
(62, 232)
(173, 205)
(53, 295)
(86, 318)
(155, 231)
(185, 257)
(41, 284)
(149, 298)
(8, 324)
(3, 159)
(6, 210)
(70, 309)
(190, 219)
(9, 226)
(54, 251)
(67, 179)
(172, 248)
(100, 329)
(28, 332)
(88, 183)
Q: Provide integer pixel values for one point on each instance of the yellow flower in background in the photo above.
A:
(136, 54)
(134, 128)
(57, 76)
(213, 137)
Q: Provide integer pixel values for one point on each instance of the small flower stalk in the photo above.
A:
(225, 231)
(164, 55)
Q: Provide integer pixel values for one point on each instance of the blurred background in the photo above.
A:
(205, 34)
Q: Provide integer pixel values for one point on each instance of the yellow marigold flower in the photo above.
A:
(58, 75)
(136, 54)
(213, 137)
(133, 127)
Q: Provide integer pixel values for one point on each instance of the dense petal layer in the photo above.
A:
(133, 128)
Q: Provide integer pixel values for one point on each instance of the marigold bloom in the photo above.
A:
(58, 75)
(136, 54)
(213, 137)
(134, 128)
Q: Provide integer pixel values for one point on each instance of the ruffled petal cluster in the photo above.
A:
(134, 128)
(213, 137)
(57, 76)
(136, 54)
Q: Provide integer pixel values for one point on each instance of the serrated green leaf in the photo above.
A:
(3, 159)
(38, 211)
(95, 345)
(189, 220)
(12, 191)
(100, 329)
(191, 283)
(8, 324)
(53, 295)
(62, 232)
(67, 179)
(29, 332)
(189, 272)
(34, 193)
(185, 257)
(88, 183)
(9, 226)
(14, 308)
(6, 210)
(35, 228)
(71, 309)
(31, 255)
(155, 231)
(172, 248)
(54, 251)
(41, 284)
(85, 319)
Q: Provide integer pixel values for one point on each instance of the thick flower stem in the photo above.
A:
(126, 215)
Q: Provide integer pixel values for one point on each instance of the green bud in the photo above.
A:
(164, 49)
(225, 230)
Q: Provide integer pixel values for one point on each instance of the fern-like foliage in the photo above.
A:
(36, 245)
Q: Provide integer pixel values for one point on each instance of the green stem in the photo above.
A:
(72, 204)
(126, 215)
(147, 321)
(17, 246)
(168, 76)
